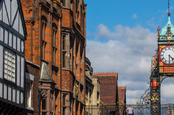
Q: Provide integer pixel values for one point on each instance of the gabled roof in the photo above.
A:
(11, 14)
(45, 74)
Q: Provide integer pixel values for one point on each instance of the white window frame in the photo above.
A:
(29, 78)
(9, 65)
(28, 101)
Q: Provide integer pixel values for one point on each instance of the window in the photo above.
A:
(44, 113)
(28, 93)
(64, 53)
(54, 43)
(64, 110)
(43, 43)
(64, 42)
(44, 103)
(64, 99)
(9, 65)
(86, 91)
(63, 2)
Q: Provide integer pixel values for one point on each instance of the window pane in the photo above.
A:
(44, 113)
(9, 66)
(43, 104)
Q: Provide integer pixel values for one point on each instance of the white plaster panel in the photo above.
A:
(20, 26)
(1, 33)
(14, 41)
(15, 25)
(14, 8)
(17, 96)
(9, 93)
(22, 72)
(1, 61)
(5, 91)
(18, 70)
(22, 46)
(22, 97)
(29, 76)
(14, 95)
(5, 19)
(7, 2)
(1, 89)
(10, 39)
(18, 44)
(6, 36)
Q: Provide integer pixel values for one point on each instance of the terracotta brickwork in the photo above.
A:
(57, 36)
(122, 99)
(73, 52)
(108, 87)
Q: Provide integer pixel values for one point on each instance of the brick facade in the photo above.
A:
(108, 88)
(57, 37)
(73, 52)
(122, 99)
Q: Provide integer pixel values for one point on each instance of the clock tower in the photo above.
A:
(162, 64)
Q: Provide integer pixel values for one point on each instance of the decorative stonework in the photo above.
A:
(44, 93)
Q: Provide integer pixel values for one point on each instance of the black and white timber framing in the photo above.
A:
(12, 57)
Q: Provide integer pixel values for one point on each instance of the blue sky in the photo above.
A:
(147, 13)
(121, 37)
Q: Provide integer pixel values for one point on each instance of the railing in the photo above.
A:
(166, 109)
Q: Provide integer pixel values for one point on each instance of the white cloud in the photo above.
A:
(128, 52)
(134, 16)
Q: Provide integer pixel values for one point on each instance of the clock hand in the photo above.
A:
(171, 57)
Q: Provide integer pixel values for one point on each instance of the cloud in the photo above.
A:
(128, 51)
(134, 16)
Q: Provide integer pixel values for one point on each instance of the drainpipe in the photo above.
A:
(32, 23)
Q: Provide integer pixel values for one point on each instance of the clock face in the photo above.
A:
(167, 55)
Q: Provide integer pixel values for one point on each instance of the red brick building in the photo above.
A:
(55, 54)
(108, 88)
(122, 99)
(73, 33)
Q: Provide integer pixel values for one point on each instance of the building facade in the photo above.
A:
(73, 33)
(92, 97)
(12, 58)
(122, 100)
(55, 53)
(108, 87)
(108, 92)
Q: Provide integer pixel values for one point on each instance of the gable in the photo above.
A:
(12, 15)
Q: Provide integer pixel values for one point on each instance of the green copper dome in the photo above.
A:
(165, 30)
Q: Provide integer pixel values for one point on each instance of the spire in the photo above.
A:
(168, 8)
(168, 29)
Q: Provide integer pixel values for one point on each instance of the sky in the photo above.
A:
(121, 37)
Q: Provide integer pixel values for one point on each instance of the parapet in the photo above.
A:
(106, 74)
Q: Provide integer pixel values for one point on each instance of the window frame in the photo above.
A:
(13, 54)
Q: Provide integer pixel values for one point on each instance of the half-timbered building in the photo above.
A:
(12, 61)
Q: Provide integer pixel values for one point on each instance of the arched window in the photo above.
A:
(54, 31)
(43, 43)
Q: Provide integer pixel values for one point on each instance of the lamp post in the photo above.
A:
(39, 90)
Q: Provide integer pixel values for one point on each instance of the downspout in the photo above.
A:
(32, 23)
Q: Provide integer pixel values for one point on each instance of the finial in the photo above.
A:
(168, 8)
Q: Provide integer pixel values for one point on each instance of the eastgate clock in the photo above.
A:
(167, 55)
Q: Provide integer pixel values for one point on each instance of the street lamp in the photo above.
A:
(39, 90)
